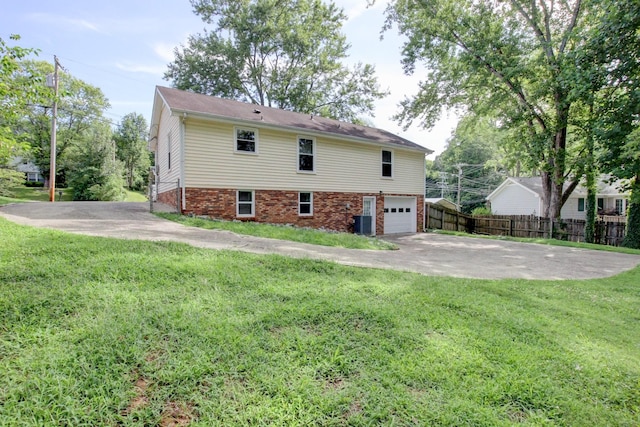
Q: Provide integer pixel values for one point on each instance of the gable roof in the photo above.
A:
(534, 185)
(180, 102)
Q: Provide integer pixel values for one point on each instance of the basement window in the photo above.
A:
(305, 204)
(245, 206)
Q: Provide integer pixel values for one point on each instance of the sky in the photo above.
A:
(123, 48)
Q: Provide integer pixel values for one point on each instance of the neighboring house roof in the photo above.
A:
(442, 202)
(534, 185)
(24, 166)
(180, 102)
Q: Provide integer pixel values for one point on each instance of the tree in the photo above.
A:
(131, 149)
(279, 53)
(514, 57)
(15, 94)
(80, 108)
(94, 171)
(473, 160)
(613, 49)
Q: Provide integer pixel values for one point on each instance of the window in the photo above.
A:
(387, 164)
(581, 204)
(620, 206)
(245, 203)
(306, 154)
(305, 204)
(600, 204)
(246, 140)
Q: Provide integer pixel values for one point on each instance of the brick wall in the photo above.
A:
(281, 207)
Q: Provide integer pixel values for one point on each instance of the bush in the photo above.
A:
(9, 178)
(481, 211)
(33, 184)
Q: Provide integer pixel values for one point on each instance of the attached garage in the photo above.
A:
(399, 215)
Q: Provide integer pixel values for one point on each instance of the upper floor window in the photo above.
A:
(387, 163)
(306, 154)
(581, 204)
(246, 140)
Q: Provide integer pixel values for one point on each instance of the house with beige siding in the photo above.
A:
(237, 161)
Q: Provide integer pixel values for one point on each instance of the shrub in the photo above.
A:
(481, 211)
(9, 178)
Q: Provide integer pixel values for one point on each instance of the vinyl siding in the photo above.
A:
(340, 166)
(169, 129)
(515, 200)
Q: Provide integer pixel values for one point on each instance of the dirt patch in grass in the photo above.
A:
(176, 414)
(141, 399)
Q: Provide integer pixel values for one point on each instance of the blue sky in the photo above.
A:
(123, 47)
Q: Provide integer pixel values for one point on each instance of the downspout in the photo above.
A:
(424, 194)
(182, 183)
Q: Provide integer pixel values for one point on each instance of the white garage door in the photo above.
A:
(399, 215)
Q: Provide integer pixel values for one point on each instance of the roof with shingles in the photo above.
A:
(180, 101)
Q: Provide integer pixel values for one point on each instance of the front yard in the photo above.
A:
(110, 332)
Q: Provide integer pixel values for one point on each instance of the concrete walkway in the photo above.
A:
(426, 253)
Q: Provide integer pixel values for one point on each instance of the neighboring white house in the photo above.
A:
(237, 161)
(523, 196)
(31, 171)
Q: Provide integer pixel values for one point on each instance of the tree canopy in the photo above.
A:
(516, 58)
(18, 87)
(131, 149)
(281, 53)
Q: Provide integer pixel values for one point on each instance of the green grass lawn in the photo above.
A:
(34, 194)
(284, 232)
(111, 332)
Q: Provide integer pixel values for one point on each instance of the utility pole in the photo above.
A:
(52, 164)
(459, 166)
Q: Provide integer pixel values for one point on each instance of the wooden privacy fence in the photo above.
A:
(439, 218)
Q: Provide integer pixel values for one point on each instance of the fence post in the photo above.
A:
(510, 227)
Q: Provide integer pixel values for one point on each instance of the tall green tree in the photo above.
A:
(613, 49)
(131, 149)
(80, 107)
(514, 57)
(281, 53)
(94, 171)
(18, 87)
(473, 160)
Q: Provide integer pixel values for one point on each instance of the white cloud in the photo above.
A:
(64, 21)
(140, 68)
(165, 51)
(354, 8)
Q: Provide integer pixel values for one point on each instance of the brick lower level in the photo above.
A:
(331, 210)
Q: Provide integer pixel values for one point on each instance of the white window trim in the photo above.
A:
(253, 204)
(310, 203)
(313, 154)
(393, 169)
(235, 140)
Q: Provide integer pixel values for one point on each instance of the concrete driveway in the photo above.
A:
(425, 253)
